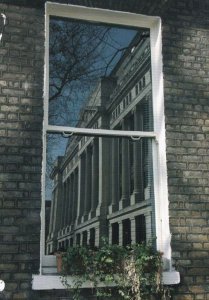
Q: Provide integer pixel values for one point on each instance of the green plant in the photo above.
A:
(133, 273)
(76, 260)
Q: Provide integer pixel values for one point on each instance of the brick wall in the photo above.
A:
(186, 74)
(21, 111)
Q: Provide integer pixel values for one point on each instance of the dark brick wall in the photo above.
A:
(186, 74)
(21, 111)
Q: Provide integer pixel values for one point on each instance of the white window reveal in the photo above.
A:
(104, 162)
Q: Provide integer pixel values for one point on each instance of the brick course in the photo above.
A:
(186, 78)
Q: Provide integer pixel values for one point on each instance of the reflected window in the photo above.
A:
(85, 238)
(140, 229)
(115, 234)
(92, 238)
(78, 239)
(126, 232)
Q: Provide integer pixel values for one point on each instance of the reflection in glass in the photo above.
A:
(85, 72)
(100, 77)
(95, 194)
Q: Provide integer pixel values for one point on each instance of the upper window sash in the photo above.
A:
(111, 18)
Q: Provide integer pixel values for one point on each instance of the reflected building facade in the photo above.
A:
(103, 186)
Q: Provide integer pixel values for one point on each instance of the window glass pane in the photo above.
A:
(99, 75)
(98, 187)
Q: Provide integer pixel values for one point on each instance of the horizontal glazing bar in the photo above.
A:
(100, 132)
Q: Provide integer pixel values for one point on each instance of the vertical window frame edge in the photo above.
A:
(159, 153)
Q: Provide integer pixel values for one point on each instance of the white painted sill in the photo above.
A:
(49, 282)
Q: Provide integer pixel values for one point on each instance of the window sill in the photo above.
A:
(49, 282)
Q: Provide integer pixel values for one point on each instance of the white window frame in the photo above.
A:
(47, 262)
